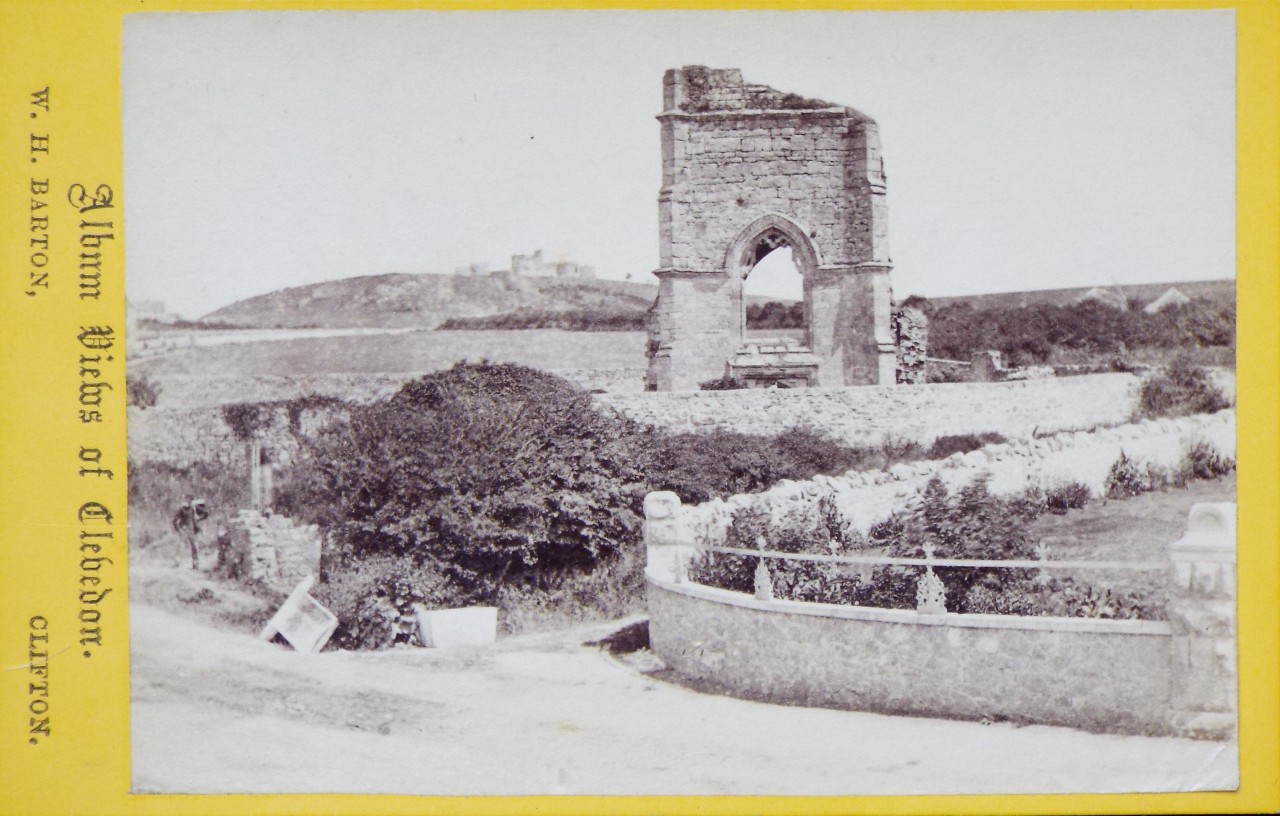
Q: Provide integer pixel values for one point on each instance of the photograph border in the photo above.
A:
(64, 476)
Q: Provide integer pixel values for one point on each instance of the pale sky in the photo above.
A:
(1024, 150)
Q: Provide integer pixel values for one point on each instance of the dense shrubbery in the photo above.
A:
(141, 391)
(485, 478)
(1200, 460)
(775, 315)
(1126, 478)
(371, 594)
(567, 320)
(1063, 497)
(1064, 598)
(726, 383)
(1181, 389)
(945, 446)
(969, 524)
(702, 466)
(1033, 335)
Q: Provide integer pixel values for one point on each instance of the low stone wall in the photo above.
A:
(900, 662)
(1130, 676)
(186, 425)
(868, 497)
(867, 415)
(184, 436)
(610, 380)
(187, 391)
(272, 550)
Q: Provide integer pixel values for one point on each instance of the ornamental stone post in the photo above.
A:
(1201, 610)
(665, 548)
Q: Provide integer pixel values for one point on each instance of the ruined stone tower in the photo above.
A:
(747, 169)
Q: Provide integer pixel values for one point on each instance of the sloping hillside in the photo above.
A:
(426, 301)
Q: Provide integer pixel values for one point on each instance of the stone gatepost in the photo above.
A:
(988, 366)
(911, 340)
(1202, 613)
(667, 551)
(261, 475)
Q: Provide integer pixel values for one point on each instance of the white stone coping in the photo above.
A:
(911, 617)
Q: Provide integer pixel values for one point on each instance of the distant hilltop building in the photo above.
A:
(150, 310)
(532, 266)
(1170, 298)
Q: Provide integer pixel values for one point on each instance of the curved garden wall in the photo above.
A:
(1175, 676)
(1098, 674)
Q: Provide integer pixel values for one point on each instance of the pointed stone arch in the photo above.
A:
(771, 231)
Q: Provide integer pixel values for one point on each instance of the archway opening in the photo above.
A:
(773, 294)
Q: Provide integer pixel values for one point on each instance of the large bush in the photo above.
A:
(1181, 389)
(483, 476)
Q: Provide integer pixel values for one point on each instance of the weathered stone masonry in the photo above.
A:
(746, 170)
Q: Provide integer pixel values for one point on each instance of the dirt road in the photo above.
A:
(219, 711)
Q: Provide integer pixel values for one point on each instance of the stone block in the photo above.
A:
(467, 626)
(302, 620)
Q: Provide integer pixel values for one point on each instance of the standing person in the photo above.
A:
(186, 523)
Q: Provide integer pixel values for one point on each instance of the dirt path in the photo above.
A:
(218, 711)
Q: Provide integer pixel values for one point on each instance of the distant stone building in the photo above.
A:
(575, 271)
(747, 169)
(150, 310)
(527, 265)
(532, 266)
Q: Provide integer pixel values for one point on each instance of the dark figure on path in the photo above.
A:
(186, 523)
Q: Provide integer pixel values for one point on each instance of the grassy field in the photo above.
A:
(1134, 529)
(546, 349)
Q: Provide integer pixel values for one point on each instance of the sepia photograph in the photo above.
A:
(655, 403)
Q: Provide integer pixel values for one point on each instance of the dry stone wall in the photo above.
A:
(869, 415)
(272, 550)
(866, 498)
(187, 425)
(184, 436)
(185, 391)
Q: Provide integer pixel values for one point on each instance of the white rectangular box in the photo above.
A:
(469, 626)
